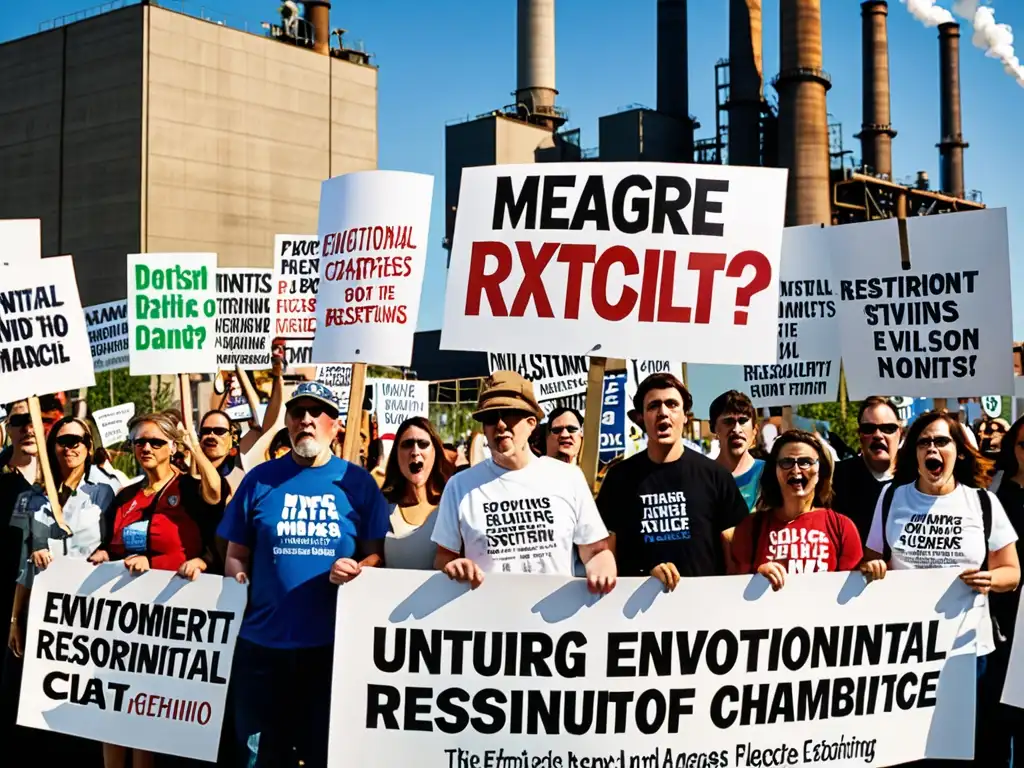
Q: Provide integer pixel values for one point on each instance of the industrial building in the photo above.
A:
(143, 129)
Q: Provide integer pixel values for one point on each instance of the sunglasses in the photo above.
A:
(410, 442)
(867, 428)
(71, 441)
(804, 462)
(155, 442)
(218, 431)
(316, 411)
(490, 418)
(941, 441)
(19, 420)
(571, 429)
(731, 421)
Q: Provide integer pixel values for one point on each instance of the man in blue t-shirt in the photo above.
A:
(296, 528)
(734, 421)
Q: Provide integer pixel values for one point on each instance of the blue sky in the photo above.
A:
(447, 59)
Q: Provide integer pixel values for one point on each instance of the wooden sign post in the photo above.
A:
(36, 415)
(592, 419)
(354, 417)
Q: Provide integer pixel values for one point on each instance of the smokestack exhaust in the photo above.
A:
(318, 14)
(746, 82)
(803, 116)
(952, 145)
(535, 57)
(674, 69)
(876, 133)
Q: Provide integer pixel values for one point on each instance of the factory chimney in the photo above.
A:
(876, 133)
(952, 145)
(746, 82)
(535, 57)
(803, 116)
(318, 14)
(673, 69)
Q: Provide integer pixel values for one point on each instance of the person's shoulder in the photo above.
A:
(699, 463)
(474, 476)
(636, 464)
(350, 475)
(558, 468)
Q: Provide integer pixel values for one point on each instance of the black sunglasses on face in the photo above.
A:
(155, 442)
(804, 462)
(571, 429)
(867, 428)
(218, 431)
(19, 420)
(490, 418)
(408, 443)
(939, 441)
(71, 441)
(316, 411)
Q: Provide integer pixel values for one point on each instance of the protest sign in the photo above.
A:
(296, 281)
(108, 335)
(113, 423)
(44, 346)
(20, 241)
(559, 381)
(244, 320)
(825, 671)
(172, 312)
(613, 417)
(807, 370)
(617, 259)
(373, 230)
(339, 379)
(237, 404)
(141, 661)
(939, 329)
(395, 400)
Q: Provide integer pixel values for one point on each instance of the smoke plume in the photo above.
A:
(995, 39)
(928, 13)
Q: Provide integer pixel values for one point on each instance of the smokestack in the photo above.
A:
(952, 145)
(803, 117)
(318, 14)
(673, 68)
(746, 82)
(535, 56)
(876, 133)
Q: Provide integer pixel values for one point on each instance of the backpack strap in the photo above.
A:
(887, 495)
(986, 521)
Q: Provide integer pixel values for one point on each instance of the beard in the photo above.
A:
(308, 448)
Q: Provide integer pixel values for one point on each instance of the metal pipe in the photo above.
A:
(673, 69)
(535, 55)
(952, 144)
(876, 133)
(746, 82)
(318, 14)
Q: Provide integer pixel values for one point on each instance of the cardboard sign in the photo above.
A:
(559, 381)
(141, 661)
(113, 423)
(826, 671)
(940, 329)
(44, 346)
(613, 418)
(395, 400)
(244, 320)
(172, 313)
(296, 281)
(20, 241)
(617, 259)
(108, 335)
(339, 379)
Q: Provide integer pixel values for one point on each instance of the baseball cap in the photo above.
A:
(314, 390)
(507, 391)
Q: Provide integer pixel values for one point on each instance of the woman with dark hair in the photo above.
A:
(793, 530)
(417, 471)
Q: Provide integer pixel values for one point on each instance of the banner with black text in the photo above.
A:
(244, 317)
(108, 335)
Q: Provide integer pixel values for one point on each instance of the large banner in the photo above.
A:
(939, 329)
(244, 319)
(139, 661)
(374, 229)
(296, 281)
(617, 259)
(721, 672)
(108, 335)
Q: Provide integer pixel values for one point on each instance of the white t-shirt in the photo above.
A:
(522, 521)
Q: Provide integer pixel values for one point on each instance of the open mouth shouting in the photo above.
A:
(934, 466)
(879, 446)
(797, 482)
(415, 467)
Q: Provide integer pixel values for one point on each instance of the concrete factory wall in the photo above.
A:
(82, 83)
(241, 132)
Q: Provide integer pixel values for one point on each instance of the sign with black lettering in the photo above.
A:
(141, 661)
(939, 329)
(559, 381)
(720, 672)
(617, 259)
(296, 282)
(244, 320)
(108, 335)
(339, 379)
(44, 346)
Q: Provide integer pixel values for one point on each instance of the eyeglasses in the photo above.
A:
(19, 420)
(731, 421)
(939, 441)
(867, 428)
(155, 442)
(408, 444)
(71, 441)
(804, 462)
(572, 429)
(490, 418)
(315, 411)
(218, 431)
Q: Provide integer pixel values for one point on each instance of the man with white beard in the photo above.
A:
(298, 526)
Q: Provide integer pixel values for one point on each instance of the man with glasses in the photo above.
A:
(217, 440)
(564, 435)
(859, 480)
(296, 528)
(734, 422)
(515, 512)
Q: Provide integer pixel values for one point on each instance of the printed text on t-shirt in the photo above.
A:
(805, 550)
(664, 517)
(519, 529)
(307, 525)
(932, 539)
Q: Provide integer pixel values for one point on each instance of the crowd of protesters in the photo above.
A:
(217, 501)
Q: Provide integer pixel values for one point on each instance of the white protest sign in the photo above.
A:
(44, 346)
(338, 378)
(108, 335)
(141, 661)
(807, 370)
(244, 320)
(172, 313)
(296, 280)
(395, 400)
(617, 259)
(374, 229)
(113, 423)
(828, 670)
(940, 329)
(236, 405)
(559, 381)
(20, 241)
(992, 406)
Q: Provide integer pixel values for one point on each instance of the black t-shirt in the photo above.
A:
(1004, 604)
(855, 493)
(670, 513)
(12, 485)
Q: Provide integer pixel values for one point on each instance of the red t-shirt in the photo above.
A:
(167, 533)
(818, 541)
